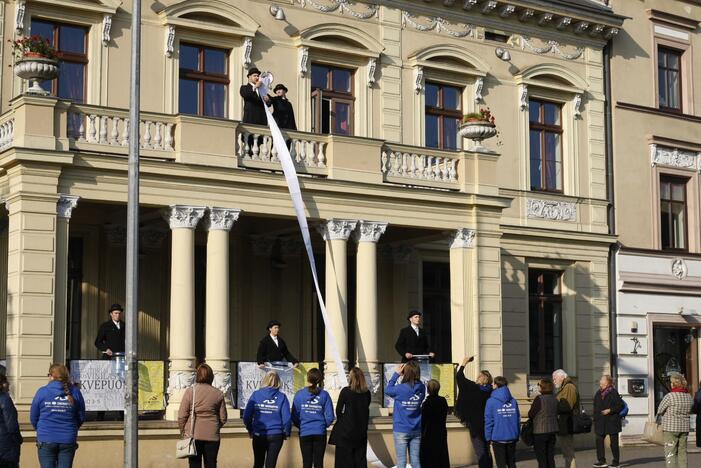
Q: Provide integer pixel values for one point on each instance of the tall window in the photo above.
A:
(673, 212)
(443, 114)
(204, 79)
(72, 42)
(545, 321)
(669, 78)
(332, 100)
(545, 124)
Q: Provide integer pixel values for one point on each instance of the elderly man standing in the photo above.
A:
(567, 404)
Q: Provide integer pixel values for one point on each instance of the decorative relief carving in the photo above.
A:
(180, 380)
(544, 19)
(526, 14)
(222, 381)
(221, 219)
(369, 231)
(577, 106)
(419, 80)
(580, 27)
(343, 6)
(479, 85)
(488, 7)
(247, 49)
(679, 269)
(437, 24)
(303, 60)
(372, 66)
(20, 9)
(563, 22)
(170, 40)
(675, 157)
(506, 11)
(337, 229)
(523, 97)
(550, 209)
(65, 205)
(183, 216)
(468, 4)
(596, 30)
(610, 32)
(550, 46)
(106, 29)
(462, 238)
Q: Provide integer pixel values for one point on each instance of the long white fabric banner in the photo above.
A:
(296, 194)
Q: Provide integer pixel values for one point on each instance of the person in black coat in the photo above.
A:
(253, 110)
(413, 340)
(10, 437)
(283, 111)
(607, 404)
(696, 409)
(472, 399)
(110, 336)
(434, 433)
(350, 433)
(272, 348)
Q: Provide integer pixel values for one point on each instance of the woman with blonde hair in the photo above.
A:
(406, 418)
(209, 417)
(57, 412)
(350, 433)
(268, 421)
(674, 410)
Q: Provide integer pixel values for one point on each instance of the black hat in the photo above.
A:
(115, 306)
(272, 323)
(253, 71)
(279, 86)
(412, 313)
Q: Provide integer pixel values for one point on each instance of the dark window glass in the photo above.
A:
(332, 100)
(204, 80)
(673, 213)
(545, 145)
(669, 78)
(72, 45)
(443, 112)
(544, 321)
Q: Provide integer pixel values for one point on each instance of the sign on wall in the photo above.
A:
(250, 377)
(443, 373)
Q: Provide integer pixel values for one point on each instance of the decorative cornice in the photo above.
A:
(169, 40)
(551, 209)
(563, 23)
(337, 229)
(343, 6)
(106, 29)
(462, 238)
(183, 216)
(65, 205)
(675, 157)
(247, 49)
(369, 231)
(221, 219)
(488, 7)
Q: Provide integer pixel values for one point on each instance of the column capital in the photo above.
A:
(221, 219)
(337, 229)
(462, 238)
(369, 231)
(183, 216)
(65, 205)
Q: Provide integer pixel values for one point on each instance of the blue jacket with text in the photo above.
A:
(53, 416)
(407, 404)
(268, 413)
(502, 418)
(312, 414)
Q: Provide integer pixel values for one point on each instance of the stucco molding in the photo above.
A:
(221, 219)
(65, 205)
(369, 231)
(337, 229)
(462, 238)
(438, 25)
(551, 209)
(675, 157)
(367, 11)
(106, 29)
(183, 216)
(679, 268)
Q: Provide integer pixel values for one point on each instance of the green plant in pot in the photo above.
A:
(478, 126)
(36, 61)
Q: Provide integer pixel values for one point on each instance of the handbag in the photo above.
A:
(185, 447)
(624, 412)
(527, 432)
(653, 433)
(581, 423)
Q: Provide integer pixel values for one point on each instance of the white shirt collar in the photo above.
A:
(117, 324)
(416, 328)
(275, 340)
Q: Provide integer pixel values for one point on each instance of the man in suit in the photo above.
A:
(253, 110)
(412, 339)
(272, 348)
(283, 112)
(110, 336)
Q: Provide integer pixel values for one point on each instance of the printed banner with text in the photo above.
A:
(443, 373)
(250, 376)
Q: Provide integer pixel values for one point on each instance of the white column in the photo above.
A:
(64, 209)
(183, 220)
(336, 233)
(367, 235)
(464, 321)
(218, 223)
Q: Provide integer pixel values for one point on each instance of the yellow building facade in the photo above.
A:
(504, 248)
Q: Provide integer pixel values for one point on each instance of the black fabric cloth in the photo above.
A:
(10, 437)
(253, 109)
(207, 451)
(610, 423)
(351, 457)
(313, 448)
(268, 351)
(266, 449)
(504, 454)
(543, 413)
(471, 403)
(110, 337)
(434, 433)
(544, 447)
(284, 113)
(481, 448)
(696, 409)
(409, 342)
(352, 417)
(565, 411)
(601, 449)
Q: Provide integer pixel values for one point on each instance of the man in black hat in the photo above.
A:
(272, 348)
(110, 337)
(283, 112)
(253, 110)
(413, 340)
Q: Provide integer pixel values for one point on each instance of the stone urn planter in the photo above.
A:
(36, 69)
(477, 131)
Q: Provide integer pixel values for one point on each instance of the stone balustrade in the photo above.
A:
(419, 166)
(7, 131)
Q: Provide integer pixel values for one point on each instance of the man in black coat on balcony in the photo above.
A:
(412, 340)
(272, 348)
(110, 336)
(253, 110)
(284, 113)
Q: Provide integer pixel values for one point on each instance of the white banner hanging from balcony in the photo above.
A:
(288, 168)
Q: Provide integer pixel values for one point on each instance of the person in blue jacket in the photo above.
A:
(10, 437)
(502, 424)
(268, 422)
(312, 413)
(408, 397)
(57, 412)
